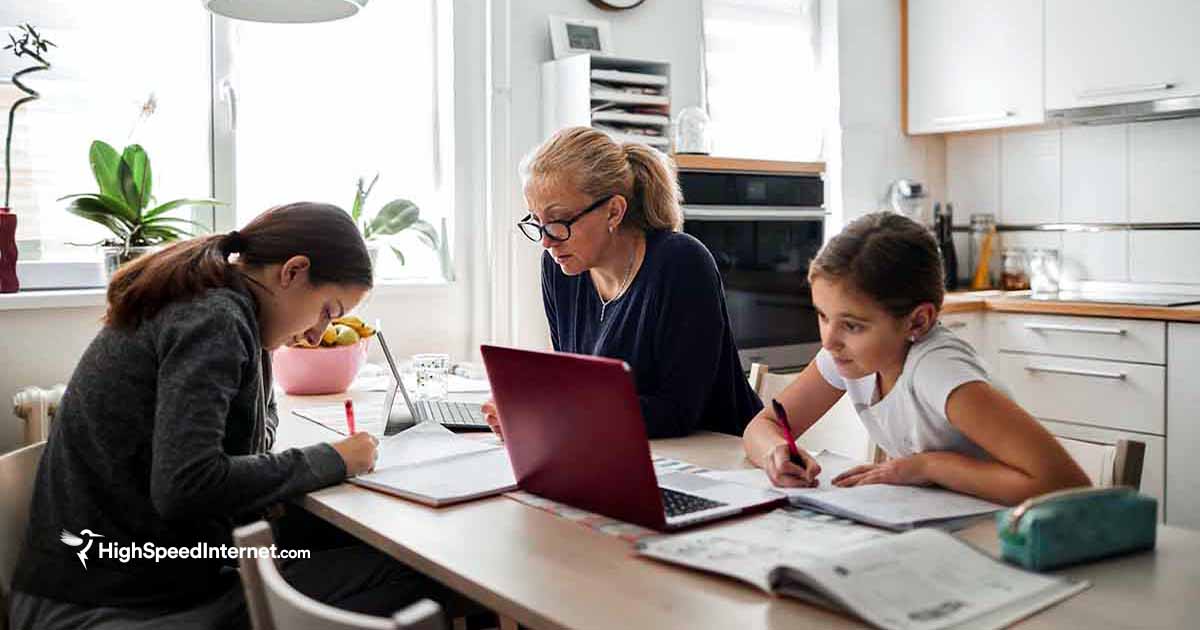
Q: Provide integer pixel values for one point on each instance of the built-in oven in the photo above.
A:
(762, 229)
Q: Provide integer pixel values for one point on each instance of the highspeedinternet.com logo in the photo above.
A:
(126, 552)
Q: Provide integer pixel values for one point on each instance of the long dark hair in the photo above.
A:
(889, 258)
(324, 233)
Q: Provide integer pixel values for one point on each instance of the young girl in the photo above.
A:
(922, 393)
(164, 434)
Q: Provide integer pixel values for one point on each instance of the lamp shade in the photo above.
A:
(285, 11)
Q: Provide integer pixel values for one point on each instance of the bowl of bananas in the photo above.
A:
(326, 368)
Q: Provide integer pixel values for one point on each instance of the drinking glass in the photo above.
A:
(431, 369)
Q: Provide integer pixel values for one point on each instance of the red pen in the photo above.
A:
(781, 418)
(350, 416)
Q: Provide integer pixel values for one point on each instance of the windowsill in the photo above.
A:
(96, 297)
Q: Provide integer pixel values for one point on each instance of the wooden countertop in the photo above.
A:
(1002, 302)
(712, 163)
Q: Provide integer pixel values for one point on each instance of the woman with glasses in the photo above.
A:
(620, 280)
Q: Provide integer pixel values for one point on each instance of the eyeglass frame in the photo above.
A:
(566, 223)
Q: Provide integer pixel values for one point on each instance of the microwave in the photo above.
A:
(762, 229)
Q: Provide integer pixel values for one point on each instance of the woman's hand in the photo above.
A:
(784, 473)
(358, 452)
(492, 416)
(905, 471)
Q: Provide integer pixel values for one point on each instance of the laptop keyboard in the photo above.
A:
(678, 503)
(451, 413)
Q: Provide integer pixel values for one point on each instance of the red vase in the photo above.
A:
(8, 252)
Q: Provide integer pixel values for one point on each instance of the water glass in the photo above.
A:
(431, 369)
(1044, 270)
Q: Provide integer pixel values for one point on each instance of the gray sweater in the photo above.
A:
(163, 437)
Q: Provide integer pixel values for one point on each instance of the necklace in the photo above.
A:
(624, 284)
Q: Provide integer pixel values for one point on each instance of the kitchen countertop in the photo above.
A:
(1019, 302)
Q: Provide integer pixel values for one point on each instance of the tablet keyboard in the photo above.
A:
(451, 413)
(678, 503)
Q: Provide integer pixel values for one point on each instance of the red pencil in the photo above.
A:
(350, 416)
(781, 418)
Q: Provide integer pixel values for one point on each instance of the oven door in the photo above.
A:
(763, 255)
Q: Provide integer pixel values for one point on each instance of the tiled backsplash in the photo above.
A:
(1129, 173)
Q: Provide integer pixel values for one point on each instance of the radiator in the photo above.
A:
(36, 406)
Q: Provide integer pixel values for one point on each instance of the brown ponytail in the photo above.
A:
(324, 233)
(598, 166)
(889, 258)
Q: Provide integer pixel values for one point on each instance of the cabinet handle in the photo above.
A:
(970, 118)
(1079, 329)
(954, 325)
(1124, 89)
(1117, 376)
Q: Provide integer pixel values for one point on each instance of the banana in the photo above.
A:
(329, 336)
(357, 324)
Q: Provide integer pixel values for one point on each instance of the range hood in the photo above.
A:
(1161, 109)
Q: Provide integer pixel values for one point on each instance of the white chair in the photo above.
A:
(839, 430)
(17, 472)
(1118, 464)
(274, 605)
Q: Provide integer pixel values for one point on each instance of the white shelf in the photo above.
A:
(624, 98)
(658, 141)
(628, 78)
(625, 117)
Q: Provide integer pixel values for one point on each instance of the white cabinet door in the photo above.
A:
(1100, 52)
(1183, 425)
(968, 327)
(974, 64)
(1152, 464)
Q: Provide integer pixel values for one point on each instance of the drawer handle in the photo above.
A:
(1079, 329)
(1116, 376)
(953, 325)
(1124, 89)
(973, 118)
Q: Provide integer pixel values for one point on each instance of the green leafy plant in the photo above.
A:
(32, 44)
(394, 217)
(125, 194)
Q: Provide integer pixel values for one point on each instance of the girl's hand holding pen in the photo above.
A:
(358, 452)
(784, 473)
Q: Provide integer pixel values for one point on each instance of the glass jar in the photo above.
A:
(1013, 274)
(1044, 270)
(982, 247)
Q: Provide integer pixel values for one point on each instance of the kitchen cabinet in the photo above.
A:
(969, 327)
(1183, 425)
(974, 64)
(1091, 378)
(1101, 52)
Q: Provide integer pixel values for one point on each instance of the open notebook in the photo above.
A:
(892, 507)
(432, 465)
(924, 579)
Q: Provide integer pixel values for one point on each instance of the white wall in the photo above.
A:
(659, 30)
(1136, 173)
(868, 148)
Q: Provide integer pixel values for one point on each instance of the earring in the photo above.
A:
(912, 339)
(610, 229)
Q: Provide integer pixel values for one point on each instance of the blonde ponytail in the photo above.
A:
(592, 162)
(655, 188)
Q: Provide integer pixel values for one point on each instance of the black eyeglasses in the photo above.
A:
(555, 230)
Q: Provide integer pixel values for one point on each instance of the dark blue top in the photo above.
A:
(671, 326)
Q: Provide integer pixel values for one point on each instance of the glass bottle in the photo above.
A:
(982, 246)
(1013, 276)
(1044, 270)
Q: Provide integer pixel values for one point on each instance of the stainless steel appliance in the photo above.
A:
(762, 229)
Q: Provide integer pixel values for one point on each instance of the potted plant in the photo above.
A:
(394, 217)
(32, 44)
(121, 205)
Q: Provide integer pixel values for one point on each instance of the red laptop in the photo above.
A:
(574, 432)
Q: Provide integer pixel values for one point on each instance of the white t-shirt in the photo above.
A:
(912, 417)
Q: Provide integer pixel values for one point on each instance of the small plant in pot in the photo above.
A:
(394, 217)
(123, 205)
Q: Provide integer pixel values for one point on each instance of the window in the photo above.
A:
(319, 105)
(107, 68)
(253, 114)
(765, 96)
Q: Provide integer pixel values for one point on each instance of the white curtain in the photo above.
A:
(764, 92)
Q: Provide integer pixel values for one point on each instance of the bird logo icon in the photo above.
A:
(74, 541)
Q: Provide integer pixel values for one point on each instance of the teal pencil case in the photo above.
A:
(1078, 525)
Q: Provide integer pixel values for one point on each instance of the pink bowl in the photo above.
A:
(318, 370)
